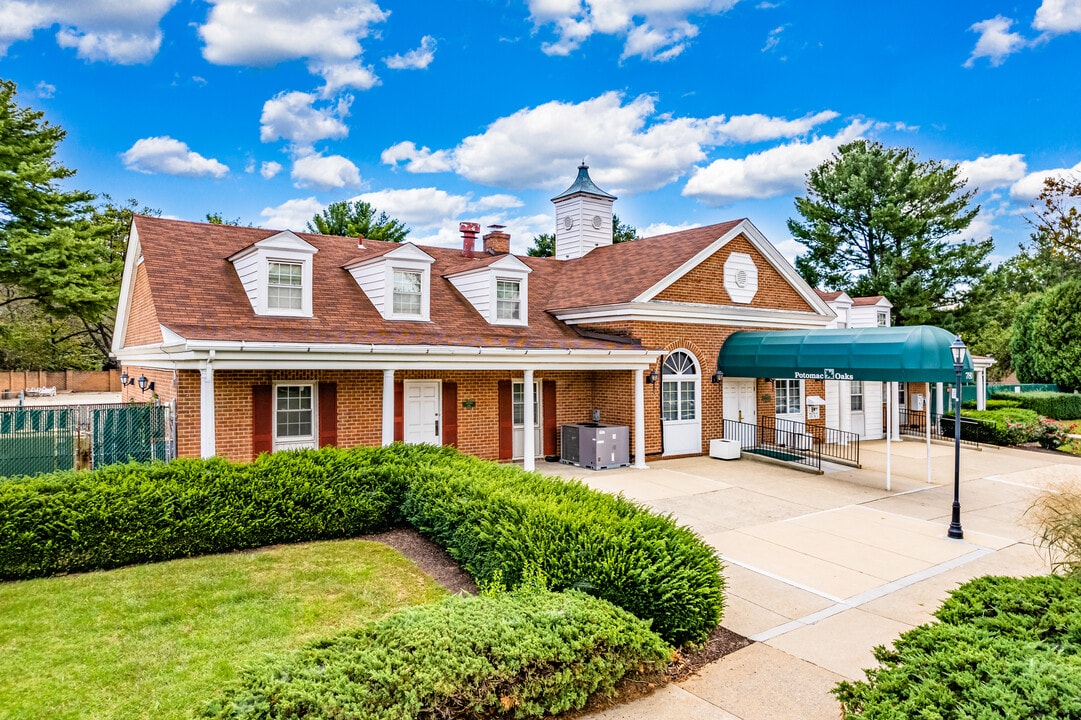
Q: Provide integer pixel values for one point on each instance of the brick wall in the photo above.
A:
(143, 327)
(63, 380)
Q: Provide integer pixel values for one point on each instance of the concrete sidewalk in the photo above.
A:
(820, 569)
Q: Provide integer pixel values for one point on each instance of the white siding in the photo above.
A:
(582, 237)
(872, 410)
(477, 289)
(833, 418)
(247, 269)
(372, 279)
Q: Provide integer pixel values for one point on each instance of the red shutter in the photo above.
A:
(506, 421)
(262, 420)
(399, 412)
(450, 413)
(328, 414)
(548, 405)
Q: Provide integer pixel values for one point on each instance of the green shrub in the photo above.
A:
(1004, 648)
(1055, 405)
(527, 653)
(1007, 426)
(1052, 435)
(496, 520)
(1001, 404)
(133, 513)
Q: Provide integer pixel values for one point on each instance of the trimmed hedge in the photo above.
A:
(1004, 648)
(527, 653)
(1055, 405)
(494, 519)
(1008, 426)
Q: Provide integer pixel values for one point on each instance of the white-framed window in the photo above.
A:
(294, 416)
(508, 300)
(678, 401)
(408, 288)
(285, 285)
(518, 403)
(882, 318)
(857, 396)
(789, 399)
(901, 394)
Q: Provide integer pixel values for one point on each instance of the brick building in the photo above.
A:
(270, 340)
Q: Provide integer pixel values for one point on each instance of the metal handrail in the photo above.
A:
(840, 445)
(799, 448)
(914, 423)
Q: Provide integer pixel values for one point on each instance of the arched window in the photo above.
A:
(679, 389)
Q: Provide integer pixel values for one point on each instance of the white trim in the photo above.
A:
(295, 442)
(765, 247)
(693, 313)
(207, 419)
(529, 438)
(132, 259)
(388, 407)
(639, 421)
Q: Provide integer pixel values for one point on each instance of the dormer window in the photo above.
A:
(398, 281)
(285, 286)
(408, 286)
(508, 299)
(277, 275)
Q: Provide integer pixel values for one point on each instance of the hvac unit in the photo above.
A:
(595, 445)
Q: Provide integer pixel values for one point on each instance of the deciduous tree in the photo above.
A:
(1058, 217)
(878, 221)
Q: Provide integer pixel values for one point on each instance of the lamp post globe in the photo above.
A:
(958, 350)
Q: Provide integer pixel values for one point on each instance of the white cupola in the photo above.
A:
(583, 217)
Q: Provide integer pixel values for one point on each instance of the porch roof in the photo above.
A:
(889, 354)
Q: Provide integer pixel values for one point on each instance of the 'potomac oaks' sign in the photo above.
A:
(823, 374)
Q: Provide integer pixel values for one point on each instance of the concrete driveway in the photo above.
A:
(821, 568)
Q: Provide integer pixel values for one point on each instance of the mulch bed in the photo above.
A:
(433, 560)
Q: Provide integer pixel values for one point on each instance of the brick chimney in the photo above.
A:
(497, 242)
(469, 232)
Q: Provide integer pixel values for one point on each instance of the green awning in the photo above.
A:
(887, 354)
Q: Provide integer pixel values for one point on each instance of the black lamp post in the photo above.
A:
(958, 350)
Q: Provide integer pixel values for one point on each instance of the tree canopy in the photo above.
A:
(1058, 217)
(1046, 341)
(350, 219)
(544, 245)
(878, 221)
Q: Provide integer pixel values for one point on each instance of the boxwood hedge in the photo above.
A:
(1055, 405)
(495, 520)
(1004, 648)
(527, 653)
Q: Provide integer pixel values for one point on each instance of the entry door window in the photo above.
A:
(294, 416)
(789, 401)
(857, 396)
(678, 391)
(518, 419)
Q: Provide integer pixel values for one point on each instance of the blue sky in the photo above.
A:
(691, 111)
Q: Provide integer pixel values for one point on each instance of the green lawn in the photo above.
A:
(155, 641)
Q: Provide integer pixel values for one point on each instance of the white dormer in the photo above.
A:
(277, 275)
(499, 291)
(399, 282)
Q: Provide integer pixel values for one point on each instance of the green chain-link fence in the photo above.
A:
(44, 439)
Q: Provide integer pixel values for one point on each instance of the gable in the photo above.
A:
(142, 326)
(704, 283)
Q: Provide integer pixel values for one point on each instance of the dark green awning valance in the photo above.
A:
(887, 354)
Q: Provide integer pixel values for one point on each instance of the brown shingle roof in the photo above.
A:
(828, 296)
(870, 300)
(198, 295)
(620, 273)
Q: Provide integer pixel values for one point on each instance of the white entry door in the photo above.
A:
(518, 416)
(741, 405)
(423, 403)
(680, 394)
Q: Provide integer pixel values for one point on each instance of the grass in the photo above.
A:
(156, 641)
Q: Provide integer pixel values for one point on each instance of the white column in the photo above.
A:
(940, 399)
(529, 445)
(895, 413)
(206, 408)
(981, 389)
(639, 421)
(927, 420)
(891, 400)
(388, 407)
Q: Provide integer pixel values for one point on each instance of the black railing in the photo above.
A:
(839, 445)
(914, 422)
(789, 446)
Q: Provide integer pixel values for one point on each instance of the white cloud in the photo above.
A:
(773, 39)
(418, 207)
(653, 29)
(292, 214)
(324, 172)
(768, 173)
(791, 249)
(293, 116)
(759, 128)
(44, 90)
(996, 41)
(421, 160)
(662, 228)
(121, 32)
(992, 171)
(326, 33)
(1058, 16)
(414, 59)
(270, 169)
(497, 202)
(168, 156)
(1028, 187)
